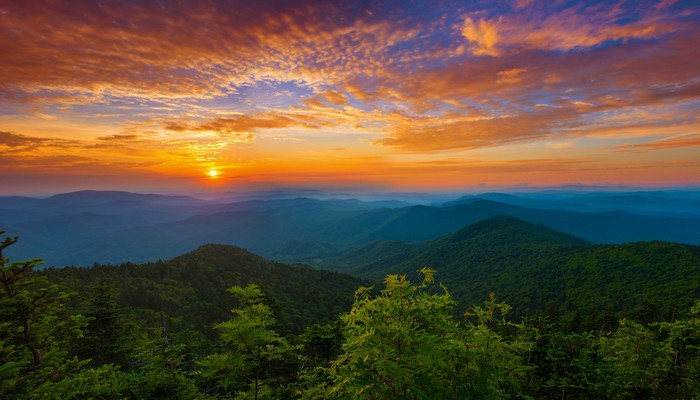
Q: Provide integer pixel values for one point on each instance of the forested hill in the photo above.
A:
(192, 287)
(538, 269)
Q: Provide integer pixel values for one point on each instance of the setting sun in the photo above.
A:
(213, 173)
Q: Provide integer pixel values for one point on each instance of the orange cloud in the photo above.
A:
(578, 26)
(13, 141)
(510, 76)
(665, 143)
(241, 128)
(116, 152)
(119, 137)
(484, 34)
(335, 98)
(435, 134)
(22, 144)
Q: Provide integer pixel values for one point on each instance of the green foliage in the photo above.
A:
(634, 361)
(163, 376)
(110, 335)
(681, 347)
(636, 355)
(497, 350)
(568, 367)
(251, 346)
(536, 269)
(322, 342)
(394, 342)
(405, 341)
(191, 290)
(35, 328)
(405, 344)
(38, 336)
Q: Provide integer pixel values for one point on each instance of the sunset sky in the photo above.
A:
(151, 96)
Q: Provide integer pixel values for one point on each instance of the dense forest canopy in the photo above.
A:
(537, 268)
(171, 330)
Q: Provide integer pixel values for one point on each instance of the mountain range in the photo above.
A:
(83, 228)
(533, 267)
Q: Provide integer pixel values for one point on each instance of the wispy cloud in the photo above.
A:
(665, 143)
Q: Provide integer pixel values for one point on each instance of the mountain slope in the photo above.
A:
(512, 231)
(192, 287)
(479, 243)
(536, 267)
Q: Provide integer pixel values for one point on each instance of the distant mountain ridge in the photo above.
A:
(81, 228)
(97, 197)
(664, 202)
(493, 233)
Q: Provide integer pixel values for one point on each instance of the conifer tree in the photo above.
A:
(36, 331)
(109, 336)
(252, 345)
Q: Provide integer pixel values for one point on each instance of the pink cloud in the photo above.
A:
(579, 26)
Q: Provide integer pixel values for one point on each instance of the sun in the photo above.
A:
(213, 173)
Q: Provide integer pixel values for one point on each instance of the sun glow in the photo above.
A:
(213, 173)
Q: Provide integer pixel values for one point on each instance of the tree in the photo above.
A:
(405, 344)
(161, 375)
(498, 351)
(253, 345)
(37, 334)
(108, 337)
(682, 349)
(322, 342)
(635, 357)
(568, 366)
(37, 330)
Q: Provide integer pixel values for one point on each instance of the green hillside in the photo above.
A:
(192, 287)
(221, 322)
(538, 269)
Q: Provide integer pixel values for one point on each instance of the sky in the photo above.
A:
(152, 96)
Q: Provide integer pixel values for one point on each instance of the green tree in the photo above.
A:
(322, 342)
(568, 367)
(405, 344)
(37, 330)
(109, 336)
(162, 375)
(252, 346)
(498, 351)
(37, 334)
(635, 355)
(681, 346)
